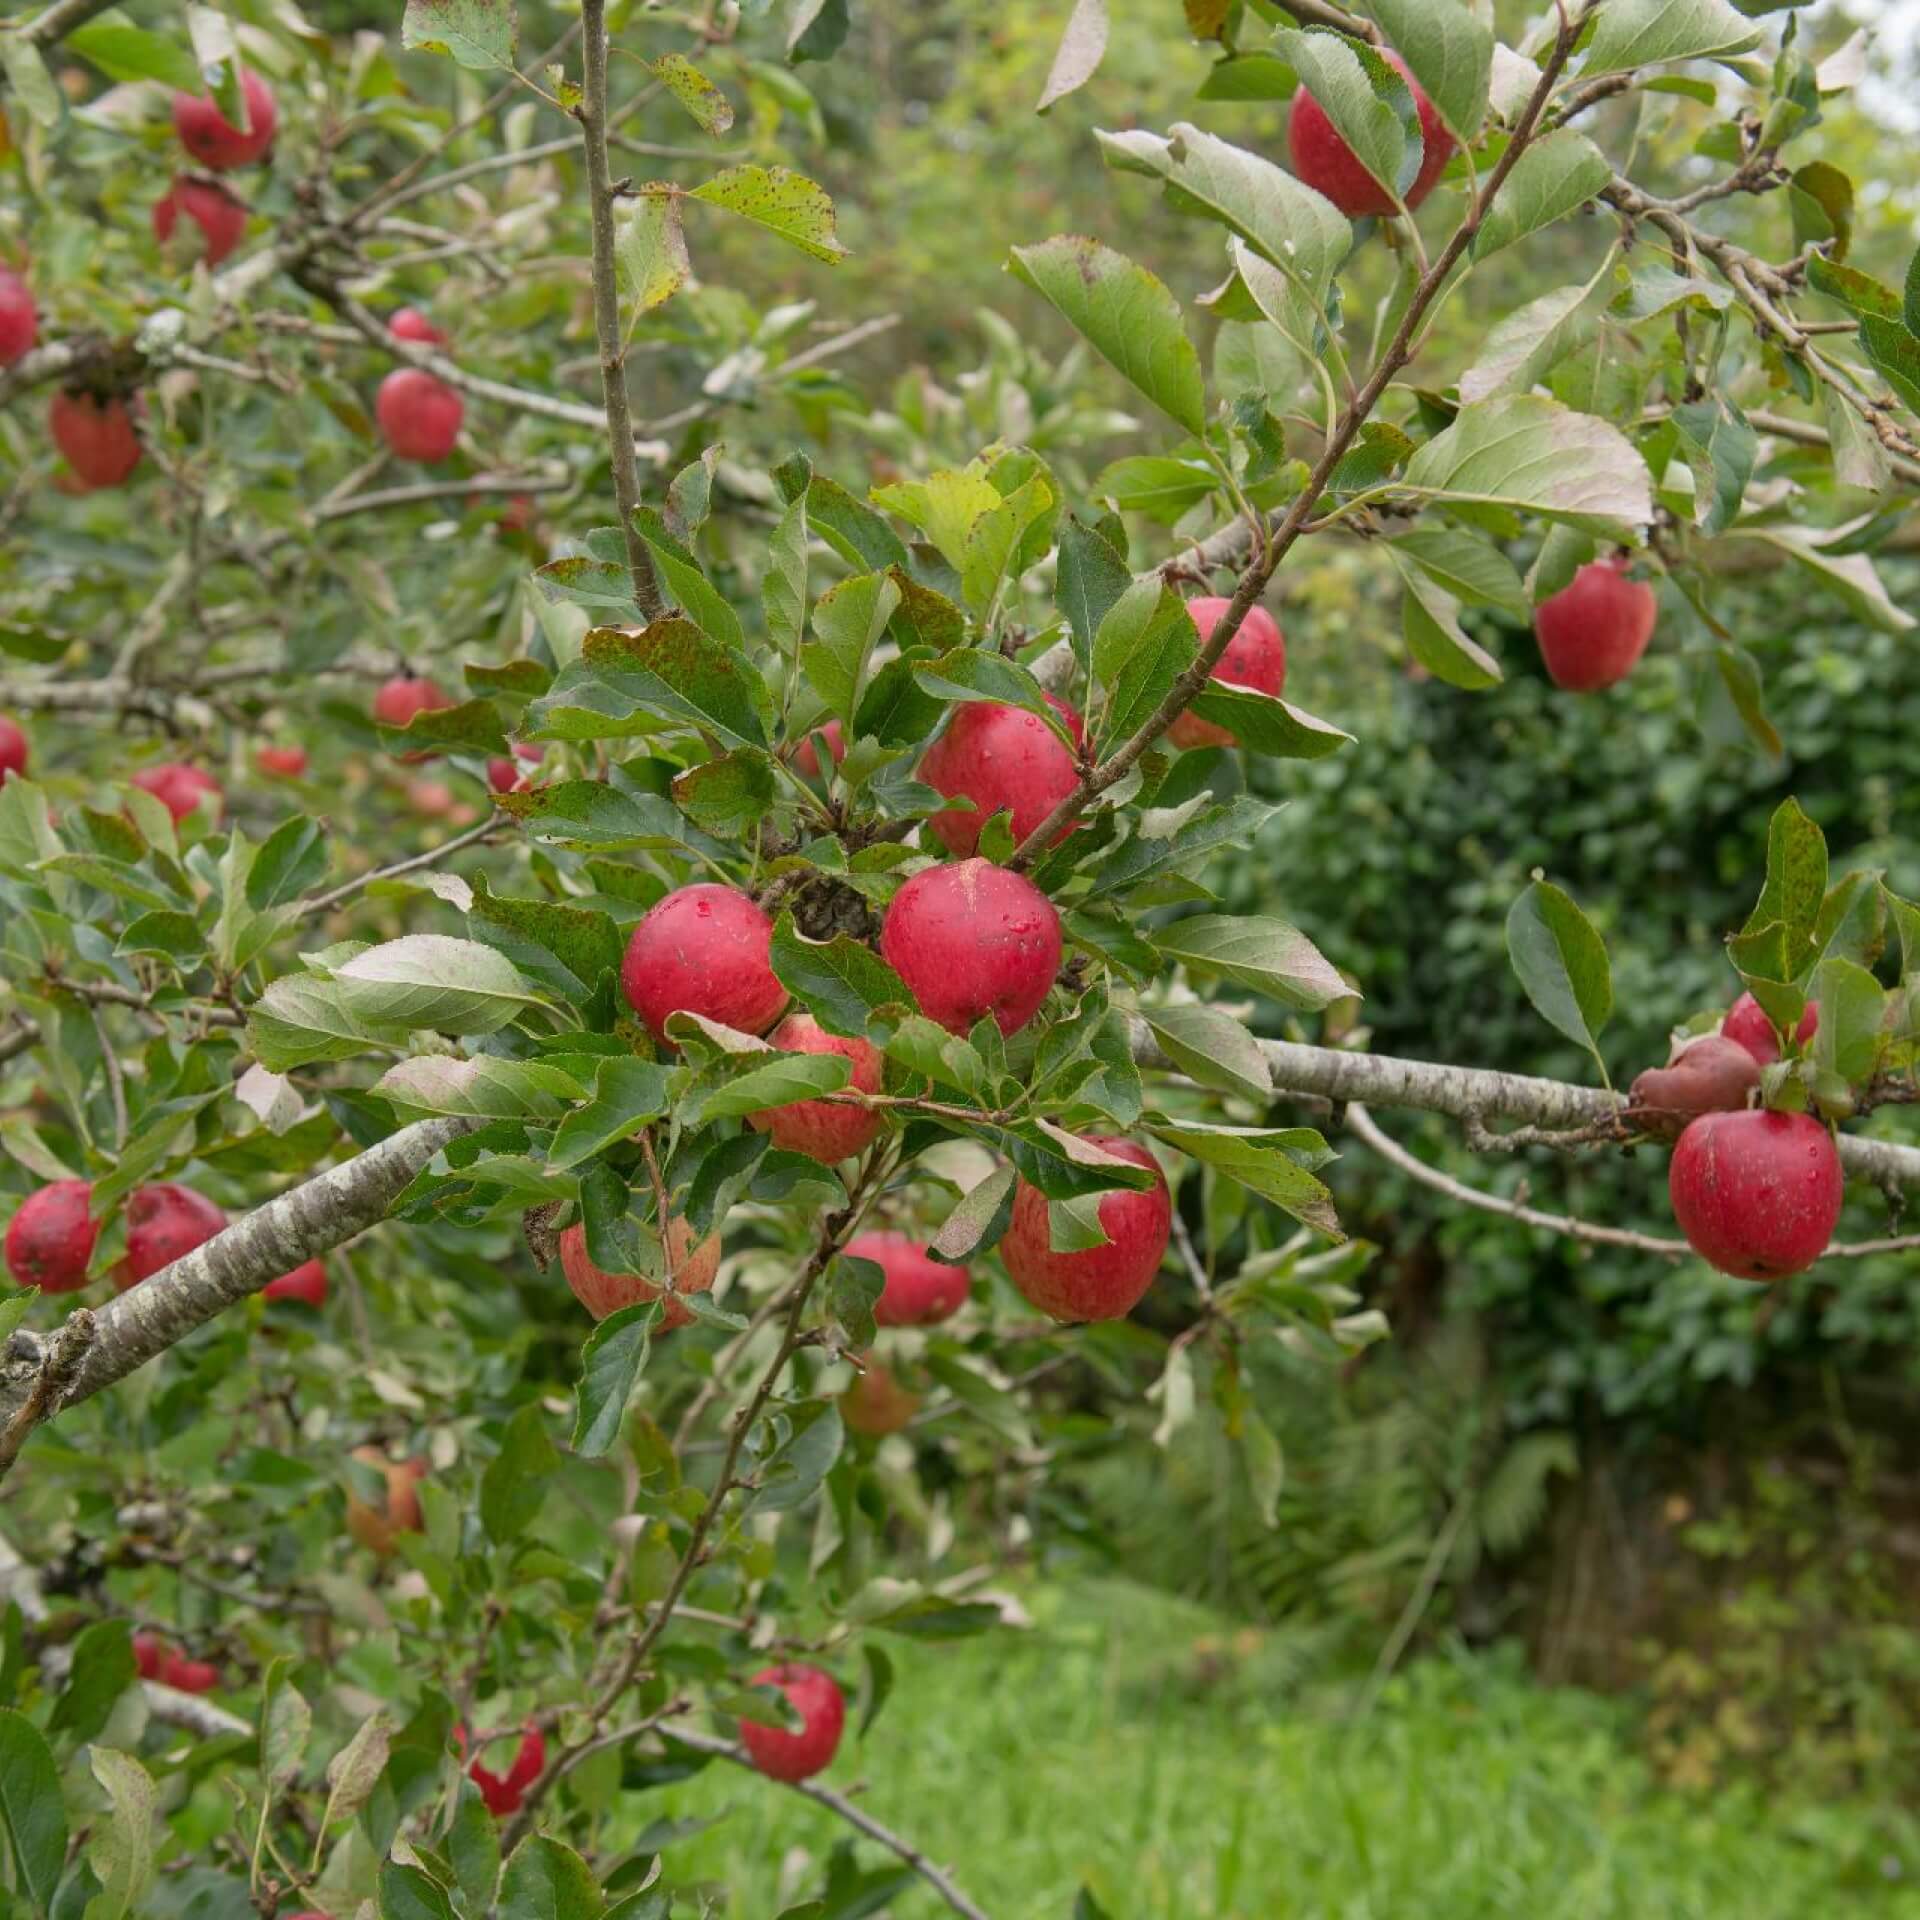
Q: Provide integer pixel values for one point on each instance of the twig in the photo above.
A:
(326, 902)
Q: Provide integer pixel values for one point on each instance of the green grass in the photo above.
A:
(1130, 1744)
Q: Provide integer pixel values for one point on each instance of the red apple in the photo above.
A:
(816, 1697)
(602, 1293)
(1328, 165)
(434, 798)
(999, 757)
(220, 216)
(1256, 657)
(1757, 1194)
(507, 775)
(1709, 1074)
(13, 750)
(400, 698)
(189, 1676)
(19, 318)
(181, 788)
(1593, 631)
(50, 1240)
(877, 1403)
(419, 415)
(164, 1223)
(703, 949)
(375, 1527)
(213, 139)
(307, 1283)
(972, 940)
(1747, 1025)
(806, 756)
(150, 1655)
(281, 763)
(920, 1291)
(95, 437)
(1097, 1283)
(411, 324)
(828, 1130)
(504, 1792)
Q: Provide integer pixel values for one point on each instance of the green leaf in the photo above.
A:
(705, 605)
(1369, 104)
(1126, 314)
(485, 1088)
(783, 588)
(1268, 1161)
(103, 1669)
(131, 54)
(1449, 51)
(514, 1487)
(474, 726)
(301, 1019)
(1257, 951)
(626, 1095)
(1263, 723)
(286, 1723)
(1820, 198)
(769, 1079)
(473, 1848)
(1265, 1465)
(839, 981)
(121, 1853)
(478, 33)
(1082, 46)
(1859, 292)
(1089, 579)
(1850, 575)
(1562, 964)
(650, 248)
(292, 859)
(355, 1770)
(408, 1894)
(1851, 1036)
(1720, 448)
(1430, 620)
(784, 203)
(848, 619)
(1561, 171)
(1795, 891)
(860, 536)
(670, 670)
(1468, 566)
(433, 980)
(31, 1808)
(1523, 346)
(611, 1361)
(730, 794)
(852, 1287)
(1896, 354)
(701, 98)
(1213, 1048)
(1144, 644)
(1651, 33)
(31, 83)
(1156, 484)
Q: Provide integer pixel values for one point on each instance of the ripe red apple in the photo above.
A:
(307, 1283)
(920, 1292)
(1747, 1024)
(1097, 1283)
(13, 750)
(807, 758)
(1757, 1194)
(181, 788)
(220, 216)
(1256, 657)
(164, 1223)
(507, 775)
(375, 1527)
(281, 763)
(19, 318)
(1593, 631)
(1328, 165)
(703, 949)
(189, 1676)
(50, 1240)
(972, 940)
(213, 139)
(876, 1403)
(830, 1131)
(411, 324)
(602, 1293)
(95, 437)
(816, 1697)
(399, 699)
(419, 415)
(999, 757)
(150, 1655)
(1708, 1074)
(504, 1792)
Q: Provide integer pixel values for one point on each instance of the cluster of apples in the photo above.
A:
(1757, 1193)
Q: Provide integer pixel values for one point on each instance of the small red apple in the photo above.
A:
(1746, 1024)
(1256, 657)
(95, 437)
(1757, 1194)
(188, 1676)
(816, 1697)
(504, 1792)
(307, 1283)
(13, 750)
(1708, 1074)
(1097, 1283)
(150, 1655)
(1593, 631)
(180, 789)
(164, 1223)
(920, 1291)
(399, 699)
(220, 216)
(999, 758)
(703, 949)
(830, 1131)
(375, 1527)
(19, 318)
(281, 763)
(876, 1403)
(602, 1293)
(50, 1240)
(507, 775)
(409, 323)
(213, 139)
(971, 940)
(1328, 165)
(806, 756)
(419, 415)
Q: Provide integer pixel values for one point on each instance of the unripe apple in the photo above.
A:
(307, 1283)
(972, 940)
(220, 216)
(807, 758)
(877, 1403)
(507, 775)
(920, 1292)
(504, 1792)
(602, 1293)
(816, 1697)
(13, 750)
(181, 788)
(409, 323)
(1594, 630)
(1097, 1283)
(1747, 1024)
(96, 437)
(50, 1240)
(213, 139)
(1256, 657)
(1757, 1194)
(19, 318)
(828, 1130)
(1708, 1074)
(281, 763)
(164, 1223)
(419, 415)
(399, 699)
(703, 949)
(1000, 758)
(1328, 165)
(375, 1527)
